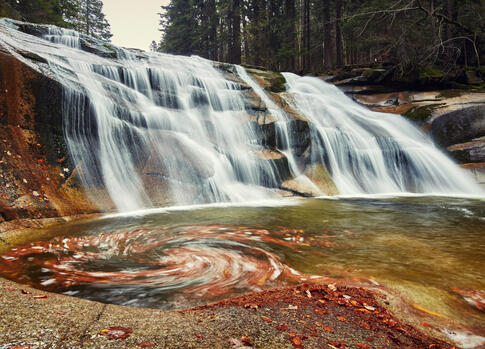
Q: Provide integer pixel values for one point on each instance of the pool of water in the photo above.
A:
(424, 247)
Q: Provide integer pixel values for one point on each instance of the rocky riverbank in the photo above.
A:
(333, 315)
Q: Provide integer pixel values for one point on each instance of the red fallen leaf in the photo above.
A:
(146, 345)
(41, 296)
(10, 289)
(281, 327)
(341, 318)
(117, 332)
(266, 319)
(362, 345)
(425, 324)
(198, 335)
(246, 340)
(25, 292)
(390, 322)
(27, 346)
(60, 312)
(327, 328)
(365, 325)
(321, 311)
(337, 344)
(369, 339)
(296, 342)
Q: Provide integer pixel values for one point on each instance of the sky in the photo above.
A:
(134, 23)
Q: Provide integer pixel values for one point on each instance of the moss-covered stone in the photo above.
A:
(430, 75)
(450, 93)
(419, 114)
(277, 83)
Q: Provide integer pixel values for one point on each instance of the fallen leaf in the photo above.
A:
(246, 340)
(336, 344)
(146, 345)
(281, 327)
(296, 342)
(327, 328)
(341, 318)
(266, 319)
(419, 307)
(41, 296)
(117, 332)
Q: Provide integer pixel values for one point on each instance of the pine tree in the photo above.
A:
(179, 28)
(90, 19)
(154, 46)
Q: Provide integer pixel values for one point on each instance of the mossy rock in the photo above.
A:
(450, 93)
(256, 67)
(277, 84)
(432, 74)
(418, 114)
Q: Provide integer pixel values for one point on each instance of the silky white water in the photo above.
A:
(371, 152)
(156, 129)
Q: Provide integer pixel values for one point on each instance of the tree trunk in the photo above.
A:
(338, 33)
(290, 16)
(327, 36)
(235, 53)
(306, 35)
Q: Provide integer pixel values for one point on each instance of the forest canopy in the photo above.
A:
(321, 35)
(85, 16)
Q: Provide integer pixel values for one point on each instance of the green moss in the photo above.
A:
(256, 67)
(470, 88)
(430, 74)
(450, 93)
(278, 84)
(418, 114)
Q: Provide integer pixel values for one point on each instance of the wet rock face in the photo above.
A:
(35, 169)
(459, 126)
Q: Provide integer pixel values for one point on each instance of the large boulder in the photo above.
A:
(459, 126)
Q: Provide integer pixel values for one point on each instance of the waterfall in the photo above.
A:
(371, 152)
(157, 129)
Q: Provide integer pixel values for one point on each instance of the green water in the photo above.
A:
(419, 246)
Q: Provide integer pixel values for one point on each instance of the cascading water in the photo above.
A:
(371, 152)
(170, 125)
(156, 129)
